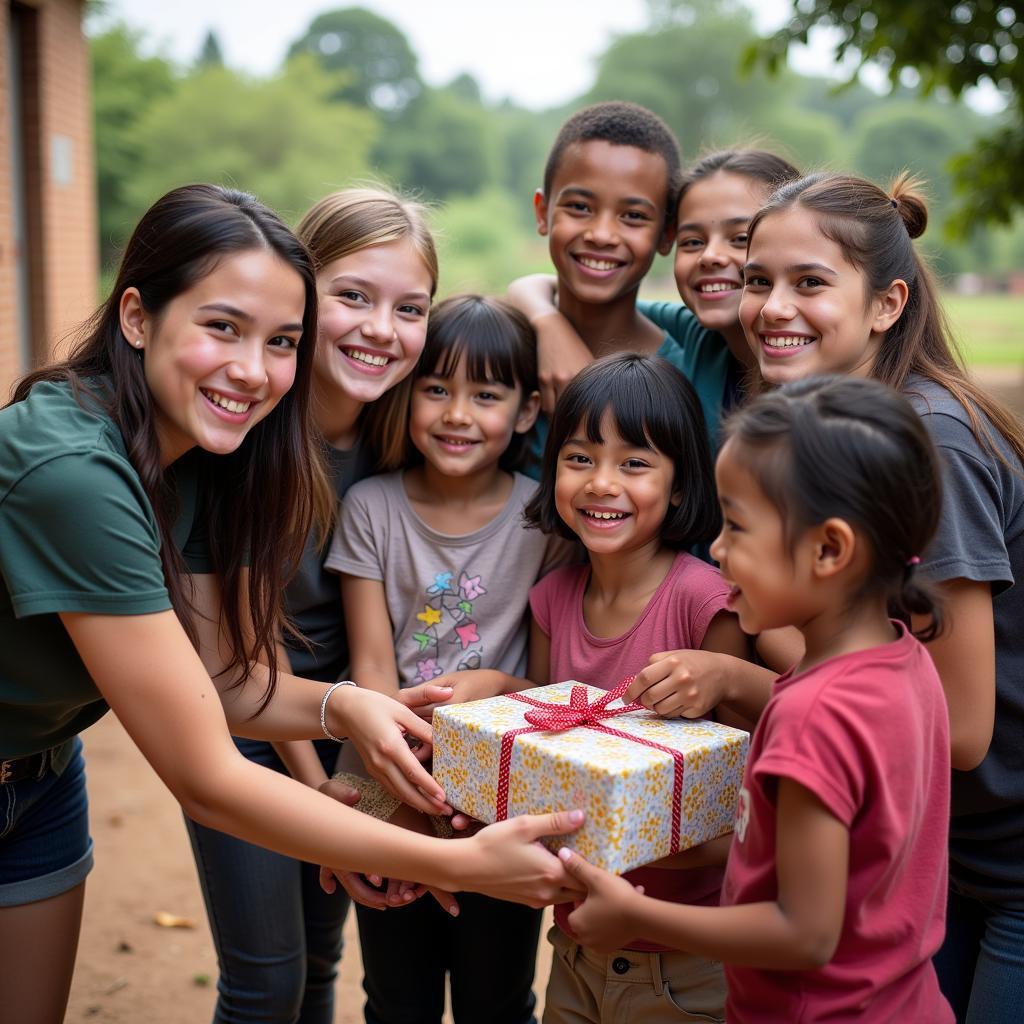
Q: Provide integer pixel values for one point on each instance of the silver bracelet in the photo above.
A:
(323, 707)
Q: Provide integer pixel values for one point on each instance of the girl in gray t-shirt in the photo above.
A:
(436, 565)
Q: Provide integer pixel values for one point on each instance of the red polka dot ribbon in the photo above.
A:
(580, 712)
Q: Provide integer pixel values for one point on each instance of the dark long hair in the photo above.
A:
(256, 500)
(653, 406)
(875, 231)
(854, 449)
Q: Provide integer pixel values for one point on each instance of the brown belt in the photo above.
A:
(33, 766)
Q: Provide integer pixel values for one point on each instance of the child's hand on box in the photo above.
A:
(603, 920)
(681, 684)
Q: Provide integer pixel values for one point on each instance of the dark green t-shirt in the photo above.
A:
(77, 534)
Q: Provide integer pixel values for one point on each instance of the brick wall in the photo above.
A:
(59, 177)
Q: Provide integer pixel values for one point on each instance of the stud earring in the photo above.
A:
(138, 343)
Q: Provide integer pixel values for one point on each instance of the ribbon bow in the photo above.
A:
(582, 713)
(579, 711)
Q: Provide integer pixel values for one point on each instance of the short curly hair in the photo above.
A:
(621, 124)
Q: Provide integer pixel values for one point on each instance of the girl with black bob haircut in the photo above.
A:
(834, 893)
(653, 406)
(153, 489)
(627, 471)
(497, 343)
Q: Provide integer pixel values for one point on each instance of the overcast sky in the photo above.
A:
(538, 52)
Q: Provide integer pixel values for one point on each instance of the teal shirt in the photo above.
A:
(77, 534)
(701, 355)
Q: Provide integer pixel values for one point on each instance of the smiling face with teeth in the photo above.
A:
(373, 321)
(711, 248)
(806, 309)
(604, 218)
(462, 427)
(222, 353)
(613, 495)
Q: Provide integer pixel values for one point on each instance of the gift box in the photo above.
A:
(649, 786)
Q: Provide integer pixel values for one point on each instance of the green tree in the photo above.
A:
(907, 136)
(124, 86)
(380, 67)
(210, 53)
(483, 244)
(686, 71)
(937, 46)
(442, 145)
(283, 138)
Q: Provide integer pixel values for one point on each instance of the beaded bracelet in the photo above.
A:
(323, 707)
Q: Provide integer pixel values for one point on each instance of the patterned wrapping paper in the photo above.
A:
(624, 787)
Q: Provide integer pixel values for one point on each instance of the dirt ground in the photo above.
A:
(130, 970)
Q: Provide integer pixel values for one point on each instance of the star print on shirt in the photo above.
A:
(467, 634)
(442, 583)
(430, 616)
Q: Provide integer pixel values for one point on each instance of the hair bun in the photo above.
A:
(907, 198)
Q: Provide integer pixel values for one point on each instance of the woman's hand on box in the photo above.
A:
(506, 861)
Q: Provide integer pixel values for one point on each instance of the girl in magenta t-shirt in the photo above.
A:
(627, 470)
(835, 889)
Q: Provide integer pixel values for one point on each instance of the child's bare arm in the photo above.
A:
(370, 637)
(720, 676)
(302, 762)
(538, 664)
(964, 655)
(561, 352)
(798, 931)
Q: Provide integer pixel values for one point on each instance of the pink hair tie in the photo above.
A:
(913, 560)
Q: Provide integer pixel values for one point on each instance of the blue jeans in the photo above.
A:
(489, 951)
(45, 849)
(277, 933)
(981, 962)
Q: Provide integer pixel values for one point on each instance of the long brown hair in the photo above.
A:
(875, 231)
(256, 500)
(347, 222)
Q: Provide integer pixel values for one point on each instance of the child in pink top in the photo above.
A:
(834, 893)
(627, 470)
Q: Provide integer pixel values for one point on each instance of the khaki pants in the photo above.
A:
(639, 988)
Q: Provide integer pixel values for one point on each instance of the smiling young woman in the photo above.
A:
(151, 496)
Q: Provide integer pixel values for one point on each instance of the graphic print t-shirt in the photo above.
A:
(455, 602)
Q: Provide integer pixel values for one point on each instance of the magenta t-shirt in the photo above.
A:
(676, 618)
(868, 734)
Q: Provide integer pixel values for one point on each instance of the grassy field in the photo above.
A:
(990, 328)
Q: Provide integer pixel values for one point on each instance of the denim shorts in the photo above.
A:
(45, 848)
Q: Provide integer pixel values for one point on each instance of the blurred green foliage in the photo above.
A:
(943, 48)
(349, 104)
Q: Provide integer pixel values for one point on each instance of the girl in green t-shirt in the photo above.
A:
(153, 487)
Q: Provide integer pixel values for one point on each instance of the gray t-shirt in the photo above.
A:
(454, 602)
(981, 538)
